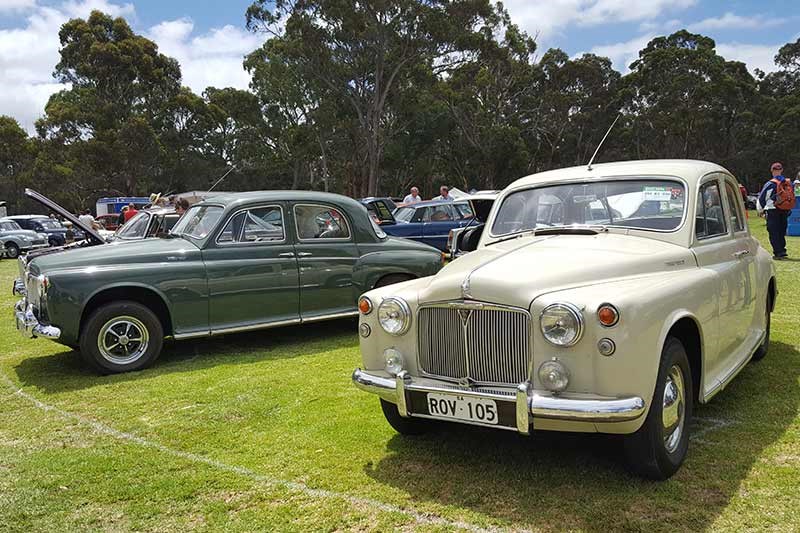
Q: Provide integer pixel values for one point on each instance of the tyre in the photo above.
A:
(761, 351)
(404, 426)
(121, 337)
(12, 250)
(658, 448)
(391, 279)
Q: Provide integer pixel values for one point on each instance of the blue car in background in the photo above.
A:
(429, 222)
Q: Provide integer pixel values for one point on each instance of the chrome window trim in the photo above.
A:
(246, 243)
(707, 180)
(593, 179)
(319, 240)
(739, 207)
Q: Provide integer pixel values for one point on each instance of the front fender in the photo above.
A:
(415, 263)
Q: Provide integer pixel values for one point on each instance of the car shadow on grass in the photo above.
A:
(559, 481)
(63, 370)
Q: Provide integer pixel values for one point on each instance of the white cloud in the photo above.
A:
(211, 59)
(730, 21)
(29, 52)
(7, 6)
(753, 55)
(623, 54)
(549, 17)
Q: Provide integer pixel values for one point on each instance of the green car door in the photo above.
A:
(326, 255)
(252, 270)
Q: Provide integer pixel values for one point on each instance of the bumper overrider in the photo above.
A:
(29, 325)
(524, 402)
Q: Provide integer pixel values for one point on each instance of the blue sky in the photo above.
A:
(209, 39)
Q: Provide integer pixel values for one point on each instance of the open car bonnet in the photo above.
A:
(91, 234)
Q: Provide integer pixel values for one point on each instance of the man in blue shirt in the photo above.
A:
(777, 219)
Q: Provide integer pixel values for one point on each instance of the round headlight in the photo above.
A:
(561, 324)
(394, 316)
(393, 360)
(554, 376)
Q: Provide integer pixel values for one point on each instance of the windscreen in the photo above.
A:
(648, 204)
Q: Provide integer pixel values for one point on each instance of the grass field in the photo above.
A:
(264, 431)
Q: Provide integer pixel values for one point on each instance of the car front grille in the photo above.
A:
(476, 342)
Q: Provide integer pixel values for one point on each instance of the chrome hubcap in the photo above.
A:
(672, 409)
(123, 340)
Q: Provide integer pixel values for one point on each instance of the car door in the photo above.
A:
(715, 249)
(438, 220)
(408, 223)
(326, 255)
(252, 270)
(748, 324)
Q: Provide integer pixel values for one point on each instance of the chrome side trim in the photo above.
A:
(251, 327)
(263, 325)
(734, 372)
(343, 314)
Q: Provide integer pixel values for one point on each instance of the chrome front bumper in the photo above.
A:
(528, 402)
(19, 288)
(29, 325)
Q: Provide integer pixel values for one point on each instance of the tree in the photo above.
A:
(16, 155)
(362, 52)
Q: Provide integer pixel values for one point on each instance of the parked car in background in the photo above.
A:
(751, 202)
(155, 222)
(608, 299)
(56, 232)
(380, 209)
(469, 235)
(236, 262)
(17, 240)
(108, 222)
(429, 222)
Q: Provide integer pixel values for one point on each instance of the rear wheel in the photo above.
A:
(121, 337)
(659, 447)
(761, 351)
(12, 250)
(403, 425)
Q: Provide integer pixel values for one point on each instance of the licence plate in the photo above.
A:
(480, 410)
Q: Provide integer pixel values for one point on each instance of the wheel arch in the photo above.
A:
(147, 296)
(772, 292)
(686, 328)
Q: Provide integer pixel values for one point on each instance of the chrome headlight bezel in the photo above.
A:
(571, 311)
(403, 311)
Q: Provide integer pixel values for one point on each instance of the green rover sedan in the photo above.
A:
(237, 262)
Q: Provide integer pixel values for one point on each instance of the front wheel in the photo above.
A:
(403, 425)
(659, 447)
(121, 337)
(12, 250)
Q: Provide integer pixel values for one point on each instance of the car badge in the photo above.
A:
(465, 289)
(464, 314)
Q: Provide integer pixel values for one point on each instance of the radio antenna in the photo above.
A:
(589, 166)
(223, 177)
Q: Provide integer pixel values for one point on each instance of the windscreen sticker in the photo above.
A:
(584, 199)
(658, 194)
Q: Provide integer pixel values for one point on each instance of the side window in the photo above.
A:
(232, 230)
(263, 224)
(439, 213)
(464, 210)
(320, 222)
(710, 217)
(733, 195)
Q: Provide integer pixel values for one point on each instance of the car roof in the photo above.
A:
(689, 169)
(26, 217)
(268, 196)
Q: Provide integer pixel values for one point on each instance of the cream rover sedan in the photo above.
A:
(604, 299)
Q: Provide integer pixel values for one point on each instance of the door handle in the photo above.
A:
(741, 253)
(286, 254)
(304, 254)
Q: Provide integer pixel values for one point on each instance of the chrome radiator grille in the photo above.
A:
(483, 343)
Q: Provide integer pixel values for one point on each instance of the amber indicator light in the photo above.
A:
(607, 315)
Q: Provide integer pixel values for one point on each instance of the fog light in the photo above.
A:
(364, 330)
(554, 376)
(606, 347)
(394, 361)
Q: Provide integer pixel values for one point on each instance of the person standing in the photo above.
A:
(131, 212)
(181, 205)
(444, 194)
(775, 202)
(87, 218)
(413, 197)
